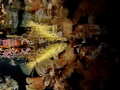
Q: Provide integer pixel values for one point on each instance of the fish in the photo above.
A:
(45, 31)
(46, 53)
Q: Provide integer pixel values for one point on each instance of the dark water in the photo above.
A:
(14, 72)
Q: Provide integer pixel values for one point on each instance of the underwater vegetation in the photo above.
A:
(8, 84)
(58, 44)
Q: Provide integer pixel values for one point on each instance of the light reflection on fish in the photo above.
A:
(46, 53)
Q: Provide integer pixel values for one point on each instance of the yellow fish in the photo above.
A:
(51, 36)
(44, 31)
(46, 53)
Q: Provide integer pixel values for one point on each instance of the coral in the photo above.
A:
(35, 83)
(9, 84)
(58, 46)
(32, 6)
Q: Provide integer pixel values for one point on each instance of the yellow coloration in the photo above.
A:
(13, 36)
(45, 31)
(33, 24)
(47, 53)
(50, 51)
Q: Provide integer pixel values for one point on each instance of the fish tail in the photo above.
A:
(26, 68)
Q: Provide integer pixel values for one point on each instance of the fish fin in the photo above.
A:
(25, 69)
